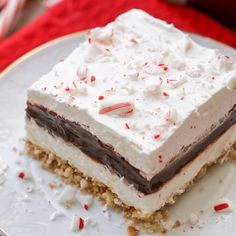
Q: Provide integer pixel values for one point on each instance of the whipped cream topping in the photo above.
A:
(169, 84)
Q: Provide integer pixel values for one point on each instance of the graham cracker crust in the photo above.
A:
(151, 223)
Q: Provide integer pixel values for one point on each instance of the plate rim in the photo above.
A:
(38, 49)
(69, 36)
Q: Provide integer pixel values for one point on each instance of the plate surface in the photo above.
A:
(26, 206)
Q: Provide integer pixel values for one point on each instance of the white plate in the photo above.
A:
(27, 214)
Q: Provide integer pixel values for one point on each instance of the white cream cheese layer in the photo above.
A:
(127, 193)
(142, 86)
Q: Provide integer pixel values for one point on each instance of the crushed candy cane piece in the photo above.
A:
(93, 78)
(29, 188)
(2, 177)
(100, 97)
(152, 90)
(25, 175)
(113, 107)
(77, 223)
(81, 223)
(133, 75)
(85, 201)
(67, 89)
(21, 175)
(68, 196)
(223, 205)
(165, 94)
(55, 215)
(157, 136)
(177, 83)
(127, 126)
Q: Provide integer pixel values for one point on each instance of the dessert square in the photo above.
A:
(137, 112)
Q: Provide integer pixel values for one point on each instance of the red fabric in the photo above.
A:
(75, 15)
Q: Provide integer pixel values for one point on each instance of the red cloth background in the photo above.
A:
(75, 15)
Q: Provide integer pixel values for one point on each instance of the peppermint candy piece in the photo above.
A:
(119, 107)
(24, 175)
(77, 223)
(85, 200)
(223, 205)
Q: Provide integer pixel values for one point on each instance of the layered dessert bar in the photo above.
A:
(134, 114)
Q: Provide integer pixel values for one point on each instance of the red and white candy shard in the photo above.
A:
(116, 107)
(77, 223)
(23, 174)
(223, 205)
(85, 200)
